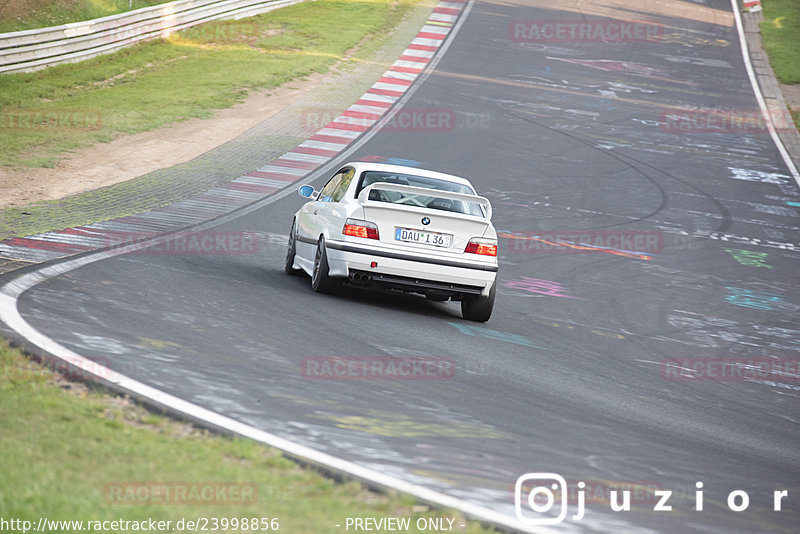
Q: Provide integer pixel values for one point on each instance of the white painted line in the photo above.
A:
(9, 313)
(759, 96)
(91, 230)
(199, 206)
(419, 53)
(179, 214)
(10, 293)
(435, 29)
(282, 170)
(266, 182)
(373, 110)
(338, 133)
(386, 99)
(390, 87)
(114, 226)
(65, 239)
(19, 252)
(423, 41)
(310, 158)
(409, 64)
(408, 76)
(442, 17)
(244, 195)
(323, 145)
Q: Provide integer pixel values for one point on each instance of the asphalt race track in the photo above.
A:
(699, 260)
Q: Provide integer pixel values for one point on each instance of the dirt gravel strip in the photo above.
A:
(252, 185)
(331, 465)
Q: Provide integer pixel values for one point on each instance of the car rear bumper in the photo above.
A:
(410, 272)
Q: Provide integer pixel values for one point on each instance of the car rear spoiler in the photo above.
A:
(363, 196)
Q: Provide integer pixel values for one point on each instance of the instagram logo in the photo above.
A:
(536, 494)
(539, 492)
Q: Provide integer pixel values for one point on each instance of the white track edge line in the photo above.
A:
(759, 96)
(9, 314)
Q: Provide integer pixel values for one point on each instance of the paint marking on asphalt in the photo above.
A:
(762, 104)
(278, 174)
(9, 314)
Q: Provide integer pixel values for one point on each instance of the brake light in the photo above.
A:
(359, 228)
(483, 247)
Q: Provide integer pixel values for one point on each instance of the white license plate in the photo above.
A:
(435, 239)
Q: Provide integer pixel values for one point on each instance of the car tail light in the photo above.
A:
(359, 228)
(485, 247)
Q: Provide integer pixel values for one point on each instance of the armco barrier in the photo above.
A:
(30, 50)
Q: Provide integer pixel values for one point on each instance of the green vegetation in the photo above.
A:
(780, 32)
(16, 15)
(70, 453)
(188, 74)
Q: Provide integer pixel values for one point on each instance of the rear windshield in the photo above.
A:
(427, 201)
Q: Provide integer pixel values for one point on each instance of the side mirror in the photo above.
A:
(306, 191)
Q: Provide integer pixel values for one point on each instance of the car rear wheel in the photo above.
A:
(321, 282)
(478, 307)
(291, 251)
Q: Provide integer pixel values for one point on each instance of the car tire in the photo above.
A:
(291, 251)
(478, 307)
(321, 281)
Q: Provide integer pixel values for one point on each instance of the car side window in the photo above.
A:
(344, 184)
(326, 195)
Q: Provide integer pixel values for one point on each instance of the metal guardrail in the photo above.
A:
(30, 50)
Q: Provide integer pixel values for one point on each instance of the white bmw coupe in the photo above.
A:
(399, 228)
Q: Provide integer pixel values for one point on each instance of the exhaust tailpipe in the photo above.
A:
(360, 278)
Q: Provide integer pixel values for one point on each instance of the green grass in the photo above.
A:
(66, 448)
(780, 32)
(190, 74)
(16, 15)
